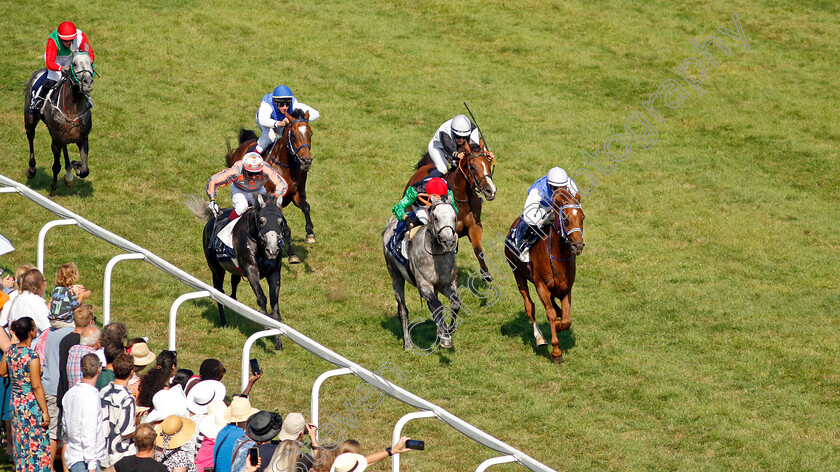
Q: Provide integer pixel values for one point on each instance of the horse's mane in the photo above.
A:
(426, 159)
(298, 114)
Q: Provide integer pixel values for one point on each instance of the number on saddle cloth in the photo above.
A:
(521, 236)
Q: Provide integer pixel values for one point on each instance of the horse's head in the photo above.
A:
(478, 168)
(570, 218)
(299, 138)
(270, 224)
(81, 71)
(442, 222)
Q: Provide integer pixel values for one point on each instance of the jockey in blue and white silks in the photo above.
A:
(538, 207)
(271, 116)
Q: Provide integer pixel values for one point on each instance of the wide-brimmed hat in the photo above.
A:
(174, 432)
(214, 421)
(141, 354)
(204, 393)
(239, 410)
(349, 462)
(292, 426)
(264, 425)
(167, 403)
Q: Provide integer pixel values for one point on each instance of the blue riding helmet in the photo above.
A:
(281, 91)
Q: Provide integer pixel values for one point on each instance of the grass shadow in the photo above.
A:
(475, 284)
(424, 339)
(521, 327)
(302, 251)
(43, 182)
(210, 312)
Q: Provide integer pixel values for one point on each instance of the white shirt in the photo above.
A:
(446, 128)
(119, 410)
(534, 212)
(4, 314)
(33, 306)
(83, 423)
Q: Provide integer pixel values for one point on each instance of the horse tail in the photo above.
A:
(246, 135)
(228, 153)
(198, 208)
(426, 159)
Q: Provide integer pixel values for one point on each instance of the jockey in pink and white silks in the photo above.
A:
(538, 207)
(271, 116)
(248, 177)
(443, 148)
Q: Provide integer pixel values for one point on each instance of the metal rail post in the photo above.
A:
(246, 350)
(395, 461)
(106, 285)
(493, 461)
(316, 390)
(173, 312)
(42, 235)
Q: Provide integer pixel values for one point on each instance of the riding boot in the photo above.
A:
(38, 102)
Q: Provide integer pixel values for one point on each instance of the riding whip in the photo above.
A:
(476, 123)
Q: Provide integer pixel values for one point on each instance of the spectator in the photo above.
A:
(112, 333)
(157, 379)
(119, 411)
(31, 302)
(17, 289)
(173, 433)
(167, 403)
(371, 459)
(181, 377)
(260, 429)
(212, 369)
(286, 457)
(112, 350)
(66, 296)
(82, 318)
(204, 393)
(139, 351)
(144, 460)
(89, 343)
(236, 415)
(83, 419)
(325, 457)
(208, 429)
(50, 379)
(31, 417)
(293, 429)
(351, 445)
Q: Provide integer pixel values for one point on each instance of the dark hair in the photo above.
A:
(90, 365)
(123, 365)
(166, 360)
(144, 437)
(181, 377)
(113, 332)
(32, 280)
(22, 327)
(150, 384)
(113, 350)
(211, 369)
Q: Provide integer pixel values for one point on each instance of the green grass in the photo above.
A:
(705, 331)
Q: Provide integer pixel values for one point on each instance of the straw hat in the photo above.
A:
(174, 432)
(141, 354)
(292, 427)
(204, 393)
(214, 421)
(239, 410)
(167, 403)
(349, 462)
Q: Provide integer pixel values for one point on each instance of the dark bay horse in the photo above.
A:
(552, 267)
(291, 158)
(472, 175)
(257, 245)
(67, 117)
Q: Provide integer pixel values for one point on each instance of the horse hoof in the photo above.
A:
(541, 342)
(486, 276)
(294, 259)
(310, 239)
(445, 341)
(278, 343)
(30, 172)
(68, 180)
(558, 359)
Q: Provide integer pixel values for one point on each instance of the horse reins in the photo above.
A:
(430, 212)
(74, 80)
(563, 232)
(293, 152)
(471, 180)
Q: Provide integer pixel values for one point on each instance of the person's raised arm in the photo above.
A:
(397, 448)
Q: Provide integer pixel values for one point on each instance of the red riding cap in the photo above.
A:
(437, 186)
(67, 31)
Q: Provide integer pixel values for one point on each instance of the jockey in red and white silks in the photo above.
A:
(248, 177)
(61, 44)
(443, 148)
(271, 115)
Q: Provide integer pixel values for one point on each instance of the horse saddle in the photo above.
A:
(225, 235)
(520, 239)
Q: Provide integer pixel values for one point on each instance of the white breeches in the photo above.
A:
(420, 213)
(441, 164)
(241, 198)
(267, 136)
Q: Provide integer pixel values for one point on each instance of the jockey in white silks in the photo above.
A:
(271, 115)
(443, 148)
(61, 44)
(538, 207)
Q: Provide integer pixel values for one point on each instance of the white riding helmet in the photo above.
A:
(558, 177)
(252, 162)
(461, 126)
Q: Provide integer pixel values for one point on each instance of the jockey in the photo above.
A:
(538, 208)
(271, 116)
(436, 187)
(248, 177)
(61, 44)
(443, 148)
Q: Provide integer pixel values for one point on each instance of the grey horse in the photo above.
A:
(432, 269)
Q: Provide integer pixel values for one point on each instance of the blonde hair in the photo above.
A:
(285, 456)
(325, 456)
(19, 276)
(67, 275)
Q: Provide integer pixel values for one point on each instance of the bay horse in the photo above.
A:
(471, 180)
(291, 157)
(257, 248)
(67, 116)
(552, 267)
(432, 269)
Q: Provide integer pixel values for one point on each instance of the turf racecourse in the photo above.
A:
(705, 328)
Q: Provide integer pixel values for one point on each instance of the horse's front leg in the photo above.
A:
(290, 250)
(300, 202)
(252, 273)
(545, 298)
(56, 168)
(565, 322)
(30, 135)
(81, 167)
(68, 173)
(474, 234)
(451, 292)
(427, 291)
(273, 290)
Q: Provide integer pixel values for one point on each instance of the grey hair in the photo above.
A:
(92, 339)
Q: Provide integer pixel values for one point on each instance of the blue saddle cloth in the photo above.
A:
(223, 252)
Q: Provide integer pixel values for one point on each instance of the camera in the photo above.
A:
(254, 455)
(255, 367)
(415, 444)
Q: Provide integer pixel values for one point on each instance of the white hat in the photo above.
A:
(167, 403)
(349, 462)
(557, 177)
(211, 424)
(203, 393)
(292, 426)
(239, 410)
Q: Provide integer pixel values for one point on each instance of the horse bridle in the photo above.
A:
(436, 233)
(563, 232)
(472, 179)
(73, 77)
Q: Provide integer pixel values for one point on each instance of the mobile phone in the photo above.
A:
(255, 367)
(254, 455)
(415, 444)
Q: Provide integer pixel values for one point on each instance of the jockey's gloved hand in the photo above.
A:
(214, 208)
(412, 221)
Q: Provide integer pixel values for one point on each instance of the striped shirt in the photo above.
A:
(236, 175)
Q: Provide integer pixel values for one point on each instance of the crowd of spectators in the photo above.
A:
(79, 398)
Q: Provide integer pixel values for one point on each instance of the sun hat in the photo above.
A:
(349, 462)
(214, 421)
(264, 425)
(239, 410)
(203, 393)
(174, 432)
(292, 426)
(141, 354)
(167, 403)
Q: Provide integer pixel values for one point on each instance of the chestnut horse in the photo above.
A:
(473, 174)
(291, 158)
(552, 267)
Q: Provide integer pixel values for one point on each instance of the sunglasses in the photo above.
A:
(283, 103)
